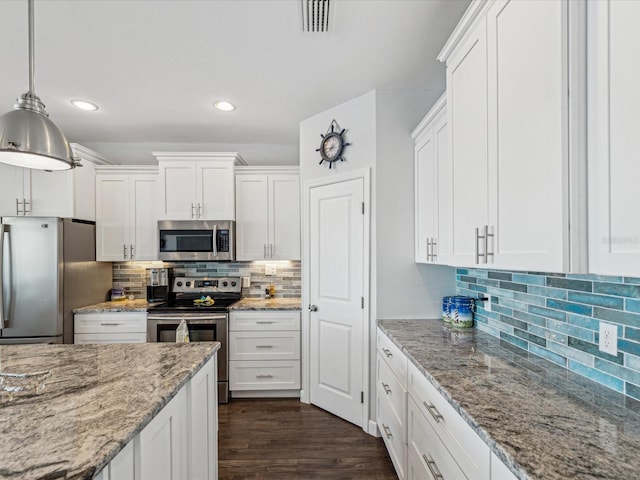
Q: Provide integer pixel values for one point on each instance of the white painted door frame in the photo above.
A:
(365, 175)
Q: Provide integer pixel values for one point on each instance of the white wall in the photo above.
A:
(404, 289)
(379, 125)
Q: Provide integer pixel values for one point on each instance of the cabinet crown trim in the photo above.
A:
(280, 169)
(192, 156)
(475, 10)
(126, 169)
(438, 107)
(87, 154)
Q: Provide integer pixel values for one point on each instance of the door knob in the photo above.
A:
(313, 308)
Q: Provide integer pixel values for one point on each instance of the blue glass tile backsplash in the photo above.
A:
(557, 317)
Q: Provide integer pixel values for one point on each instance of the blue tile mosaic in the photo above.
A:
(557, 317)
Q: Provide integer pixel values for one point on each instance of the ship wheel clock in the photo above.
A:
(332, 145)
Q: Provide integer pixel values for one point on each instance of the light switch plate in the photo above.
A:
(608, 338)
(246, 282)
(270, 269)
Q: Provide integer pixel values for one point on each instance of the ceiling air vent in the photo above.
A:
(315, 15)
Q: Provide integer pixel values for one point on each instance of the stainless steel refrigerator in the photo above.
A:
(48, 268)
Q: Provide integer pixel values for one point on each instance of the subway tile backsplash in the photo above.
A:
(288, 282)
(557, 317)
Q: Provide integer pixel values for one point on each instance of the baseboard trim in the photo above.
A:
(265, 394)
(373, 429)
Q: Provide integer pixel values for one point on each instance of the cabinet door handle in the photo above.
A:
(488, 235)
(24, 206)
(433, 411)
(386, 387)
(264, 376)
(17, 207)
(110, 324)
(124, 254)
(433, 468)
(264, 250)
(131, 255)
(478, 254)
(264, 346)
(434, 253)
(193, 213)
(264, 322)
(387, 431)
(387, 352)
(272, 249)
(200, 210)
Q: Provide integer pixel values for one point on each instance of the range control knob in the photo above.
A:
(179, 284)
(188, 284)
(225, 283)
(233, 284)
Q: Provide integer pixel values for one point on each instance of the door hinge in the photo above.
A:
(362, 302)
(363, 208)
(361, 397)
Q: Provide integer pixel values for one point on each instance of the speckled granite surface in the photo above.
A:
(139, 305)
(97, 399)
(543, 421)
(267, 304)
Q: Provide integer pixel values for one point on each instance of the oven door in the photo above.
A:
(202, 328)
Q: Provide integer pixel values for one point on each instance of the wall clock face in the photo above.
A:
(332, 146)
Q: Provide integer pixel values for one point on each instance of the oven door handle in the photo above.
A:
(188, 318)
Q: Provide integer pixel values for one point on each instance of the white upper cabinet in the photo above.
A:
(431, 163)
(197, 186)
(467, 120)
(613, 140)
(528, 132)
(126, 211)
(66, 193)
(509, 118)
(267, 213)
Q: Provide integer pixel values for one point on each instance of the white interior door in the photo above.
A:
(337, 326)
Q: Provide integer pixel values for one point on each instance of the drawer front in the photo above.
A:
(469, 450)
(117, 322)
(134, 337)
(264, 345)
(264, 320)
(390, 387)
(273, 375)
(393, 433)
(394, 357)
(416, 468)
(429, 449)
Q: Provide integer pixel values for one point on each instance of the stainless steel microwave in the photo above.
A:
(197, 240)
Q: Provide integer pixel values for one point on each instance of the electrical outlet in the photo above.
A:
(487, 303)
(608, 338)
(246, 282)
(270, 269)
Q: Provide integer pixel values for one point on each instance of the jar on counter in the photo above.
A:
(461, 311)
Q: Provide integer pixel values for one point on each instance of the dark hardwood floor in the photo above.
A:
(286, 439)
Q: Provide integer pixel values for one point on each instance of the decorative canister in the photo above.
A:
(461, 311)
(446, 309)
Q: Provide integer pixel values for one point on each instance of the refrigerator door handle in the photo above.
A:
(4, 319)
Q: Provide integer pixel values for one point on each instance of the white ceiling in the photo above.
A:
(155, 68)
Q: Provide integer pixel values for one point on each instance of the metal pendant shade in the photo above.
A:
(27, 137)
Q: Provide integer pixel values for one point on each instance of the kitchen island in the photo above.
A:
(96, 401)
(539, 419)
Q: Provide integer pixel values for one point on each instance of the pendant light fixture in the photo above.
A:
(27, 137)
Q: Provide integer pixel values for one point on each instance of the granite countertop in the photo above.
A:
(543, 421)
(267, 304)
(138, 305)
(96, 400)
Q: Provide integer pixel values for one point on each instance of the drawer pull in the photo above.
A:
(264, 376)
(433, 468)
(261, 322)
(386, 387)
(264, 346)
(109, 324)
(387, 352)
(387, 431)
(433, 411)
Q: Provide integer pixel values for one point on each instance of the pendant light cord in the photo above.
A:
(32, 86)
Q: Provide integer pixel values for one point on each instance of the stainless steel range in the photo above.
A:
(203, 302)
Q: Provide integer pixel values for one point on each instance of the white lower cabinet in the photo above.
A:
(264, 353)
(110, 327)
(425, 436)
(180, 442)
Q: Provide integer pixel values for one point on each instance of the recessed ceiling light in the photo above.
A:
(224, 106)
(84, 105)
